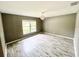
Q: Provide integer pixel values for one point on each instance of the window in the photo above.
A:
(28, 26)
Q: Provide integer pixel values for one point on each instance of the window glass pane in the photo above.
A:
(33, 29)
(33, 23)
(33, 26)
(25, 26)
(26, 30)
(25, 23)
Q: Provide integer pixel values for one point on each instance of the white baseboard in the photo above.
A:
(17, 40)
(45, 33)
(13, 41)
(59, 35)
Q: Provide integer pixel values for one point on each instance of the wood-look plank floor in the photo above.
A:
(42, 45)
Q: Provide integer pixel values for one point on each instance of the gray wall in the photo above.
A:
(13, 26)
(61, 25)
(1, 51)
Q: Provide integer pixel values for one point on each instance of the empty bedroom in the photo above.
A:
(39, 28)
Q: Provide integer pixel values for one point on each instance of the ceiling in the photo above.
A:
(32, 8)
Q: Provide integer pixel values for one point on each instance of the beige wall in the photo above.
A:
(13, 26)
(61, 25)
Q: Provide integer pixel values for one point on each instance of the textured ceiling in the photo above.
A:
(32, 8)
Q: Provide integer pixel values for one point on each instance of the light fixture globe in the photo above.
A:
(42, 17)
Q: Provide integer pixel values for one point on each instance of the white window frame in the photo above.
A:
(30, 25)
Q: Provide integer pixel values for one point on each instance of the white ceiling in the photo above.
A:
(32, 8)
